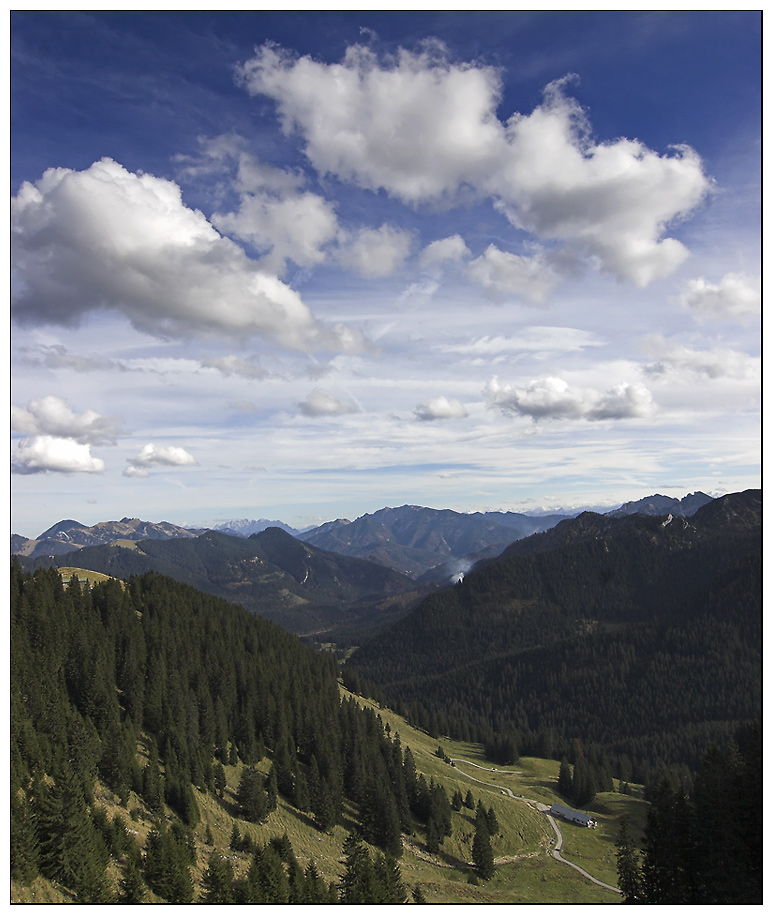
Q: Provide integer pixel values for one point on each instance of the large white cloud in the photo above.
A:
(424, 128)
(419, 127)
(611, 201)
(53, 416)
(553, 398)
(50, 453)
(106, 238)
(736, 296)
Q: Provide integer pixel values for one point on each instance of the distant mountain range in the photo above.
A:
(413, 540)
(301, 587)
(245, 527)
(416, 541)
(247, 560)
(67, 536)
(664, 505)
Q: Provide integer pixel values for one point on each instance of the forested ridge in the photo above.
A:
(639, 636)
(150, 688)
(303, 588)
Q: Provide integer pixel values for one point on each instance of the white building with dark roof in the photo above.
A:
(573, 816)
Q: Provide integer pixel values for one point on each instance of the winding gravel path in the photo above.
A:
(543, 808)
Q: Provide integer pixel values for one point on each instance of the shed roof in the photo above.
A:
(568, 813)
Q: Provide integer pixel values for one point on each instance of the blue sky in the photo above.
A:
(302, 265)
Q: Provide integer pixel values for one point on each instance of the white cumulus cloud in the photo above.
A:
(417, 126)
(108, 239)
(502, 274)
(610, 201)
(623, 401)
(440, 408)
(375, 253)
(288, 226)
(424, 128)
(152, 455)
(675, 359)
(735, 296)
(52, 416)
(443, 250)
(322, 403)
(553, 398)
(50, 453)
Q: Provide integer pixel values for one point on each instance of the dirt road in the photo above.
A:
(543, 808)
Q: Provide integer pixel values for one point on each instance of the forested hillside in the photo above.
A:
(638, 636)
(151, 688)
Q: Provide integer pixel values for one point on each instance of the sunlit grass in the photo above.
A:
(525, 872)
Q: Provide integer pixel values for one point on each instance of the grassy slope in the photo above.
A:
(525, 872)
(67, 573)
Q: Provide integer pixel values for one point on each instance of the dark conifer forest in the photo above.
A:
(627, 643)
(194, 682)
(704, 848)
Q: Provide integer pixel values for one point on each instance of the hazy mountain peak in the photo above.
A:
(663, 505)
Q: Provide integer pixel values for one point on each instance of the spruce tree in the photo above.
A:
(418, 895)
(72, 851)
(482, 855)
(628, 868)
(317, 892)
(358, 883)
(251, 795)
(433, 839)
(390, 880)
(565, 781)
(220, 779)
(167, 866)
(23, 841)
(217, 882)
(267, 877)
(667, 874)
(131, 886)
(272, 792)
